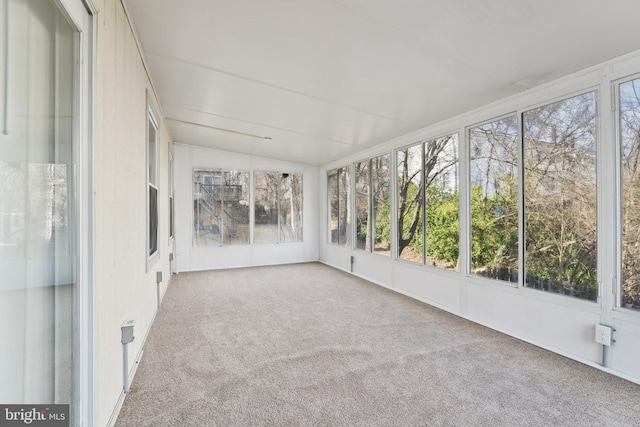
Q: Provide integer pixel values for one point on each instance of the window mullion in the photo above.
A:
(423, 195)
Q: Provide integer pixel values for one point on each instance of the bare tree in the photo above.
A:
(630, 156)
(560, 194)
(439, 157)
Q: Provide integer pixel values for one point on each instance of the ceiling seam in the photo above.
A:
(252, 123)
(295, 92)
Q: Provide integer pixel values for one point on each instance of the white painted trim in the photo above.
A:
(81, 15)
(88, 327)
(617, 309)
(151, 117)
(136, 38)
(118, 407)
(465, 204)
(75, 12)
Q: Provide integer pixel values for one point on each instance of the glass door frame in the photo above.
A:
(82, 16)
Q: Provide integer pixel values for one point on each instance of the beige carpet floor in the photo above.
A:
(308, 345)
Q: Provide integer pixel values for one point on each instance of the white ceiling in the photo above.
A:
(327, 78)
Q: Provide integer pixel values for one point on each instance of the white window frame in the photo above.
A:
(618, 281)
(152, 182)
(350, 231)
(279, 205)
(466, 269)
(171, 231)
(522, 271)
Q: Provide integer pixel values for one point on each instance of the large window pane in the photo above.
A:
(441, 202)
(290, 207)
(344, 208)
(235, 211)
(363, 206)
(38, 217)
(207, 207)
(265, 229)
(373, 205)
(560, 197)
(339, 185)
(494, 199)
(410, 196)
(332, 188)
(152, 177)
(381, 204)
(630, 160)
(220, 207)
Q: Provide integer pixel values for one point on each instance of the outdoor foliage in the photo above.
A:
(495, 231)
(630, 153)
(560, 197)
(494, 199)
(428, 180)
(441, 215)
(555, 168)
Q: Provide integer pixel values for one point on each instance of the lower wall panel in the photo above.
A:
(215, 257)
(429, 285)
(625, 351)
(554, 325)
(557, 323)
(286, 253)
(375, 268)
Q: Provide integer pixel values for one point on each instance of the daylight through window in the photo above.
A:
(373, 205)
(220, 207)
(339, 186)
(277, 207)
(560, 197)
(629, 132)
(493, 170)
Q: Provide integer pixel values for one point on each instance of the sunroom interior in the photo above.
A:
(479, 156)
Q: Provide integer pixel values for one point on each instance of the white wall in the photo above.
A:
(189, 258)
(555, 322)
(123, 288)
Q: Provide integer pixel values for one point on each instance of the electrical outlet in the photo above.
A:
(603, 335)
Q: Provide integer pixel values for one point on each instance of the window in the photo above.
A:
(220, 207)
(277, 207)
(207, 207)
(428, 206)
(363, 205)
(332, 190)
(235, 204)
(290, 207)
(265, 195)
(493, 170)
(373, 205)
(170, 187)
(152, 186)
(410, 196)
(339, 183)
(629, 134)
(560, 197)
(441, 202)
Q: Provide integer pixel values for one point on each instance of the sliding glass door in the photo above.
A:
(38, 203)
